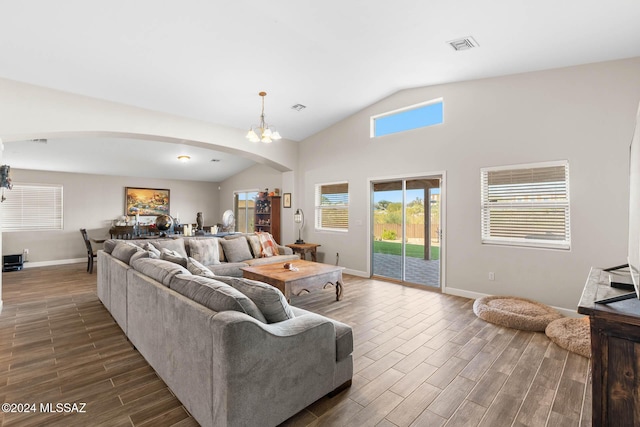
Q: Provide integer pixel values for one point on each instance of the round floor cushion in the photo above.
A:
(571, 334)
(514, 312)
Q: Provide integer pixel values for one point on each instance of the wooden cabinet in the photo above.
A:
(267, 215)
(615, 353)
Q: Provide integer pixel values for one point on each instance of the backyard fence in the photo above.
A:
(414, 231)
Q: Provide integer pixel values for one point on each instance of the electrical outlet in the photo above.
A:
(25, 251)
(492, 275)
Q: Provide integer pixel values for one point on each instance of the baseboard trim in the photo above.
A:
(356, 273)
(475, 295)
(30, 264)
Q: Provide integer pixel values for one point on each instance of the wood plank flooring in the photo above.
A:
(420, 359)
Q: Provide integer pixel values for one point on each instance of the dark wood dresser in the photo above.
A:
(615, 353)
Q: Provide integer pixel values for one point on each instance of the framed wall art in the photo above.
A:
(146, 201)
(286, 200)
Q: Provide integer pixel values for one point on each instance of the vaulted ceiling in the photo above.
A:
(208, 59)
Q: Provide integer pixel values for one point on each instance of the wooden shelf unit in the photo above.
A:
(615, 351)
(267, 215)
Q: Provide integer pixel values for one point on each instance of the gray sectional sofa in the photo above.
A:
(232, 350)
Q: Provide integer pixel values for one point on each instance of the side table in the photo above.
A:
(303, 248)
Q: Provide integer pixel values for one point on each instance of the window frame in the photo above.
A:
(319, 207)
(373, 119)
(557, 203)
(49, 215)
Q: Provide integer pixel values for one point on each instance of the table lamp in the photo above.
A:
(298, 217)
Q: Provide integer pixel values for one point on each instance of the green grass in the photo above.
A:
(414, 251)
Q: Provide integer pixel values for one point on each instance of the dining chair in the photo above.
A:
(91, 254)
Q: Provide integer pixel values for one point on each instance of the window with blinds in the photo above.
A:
(32, 207)
(332, 206)
(526, 205)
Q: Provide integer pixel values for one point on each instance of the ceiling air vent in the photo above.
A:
(298, 107)
(464, 43)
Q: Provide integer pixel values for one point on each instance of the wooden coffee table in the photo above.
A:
(310, 276)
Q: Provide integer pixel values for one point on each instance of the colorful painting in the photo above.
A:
(146, 201)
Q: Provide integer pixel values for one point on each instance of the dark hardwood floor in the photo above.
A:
(420, 359)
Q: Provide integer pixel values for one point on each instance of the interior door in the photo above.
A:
(406, 230)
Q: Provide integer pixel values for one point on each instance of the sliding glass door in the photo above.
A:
(406, 230)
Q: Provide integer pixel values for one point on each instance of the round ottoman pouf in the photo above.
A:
(514, 312)
(571, 334)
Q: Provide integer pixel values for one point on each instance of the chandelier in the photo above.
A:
(262, 132)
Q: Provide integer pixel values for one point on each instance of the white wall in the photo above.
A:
(92, 202)
(584, 114)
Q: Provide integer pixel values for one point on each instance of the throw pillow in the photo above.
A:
(141, 254)
(270, 300)
(205, 251)
(173, 256)
(124, 251)
(149, 247)
(198, 269)
(269, 246)
(256, 247)
(236, 250)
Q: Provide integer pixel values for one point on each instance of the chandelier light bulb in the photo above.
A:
(266, 133)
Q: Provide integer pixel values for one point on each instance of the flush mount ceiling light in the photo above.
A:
(265, 132)
(465, 43)
(184, 159)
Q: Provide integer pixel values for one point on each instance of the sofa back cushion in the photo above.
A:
(158, 269)
(215, 295)
(110, 244)
(173, 256)
(198, 269)
(269, 300)
(254, 243)
(205, 251)
(171, 244)
(236, 250)
(124, 251)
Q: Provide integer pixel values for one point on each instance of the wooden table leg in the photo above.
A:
(338, 290)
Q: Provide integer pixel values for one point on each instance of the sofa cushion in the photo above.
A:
(173, 256)
(198, 269)
(344, 335)
(123, 251)
(149, 247)
(158, 269)
(110, 244)
(269, 246)
(232, 269)
(172, 244)
(215, 295)
(269, 300)
(254, 243)
(205, 251)
(236, 250)
(273, 260)
(142, 254)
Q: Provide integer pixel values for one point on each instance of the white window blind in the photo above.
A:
(332, 206)
(32, 207)
(526, 205)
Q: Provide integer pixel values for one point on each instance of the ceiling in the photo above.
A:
(208, 59)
